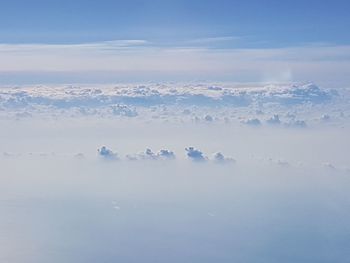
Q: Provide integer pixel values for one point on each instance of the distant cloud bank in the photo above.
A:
(289, 105)
(189, 60)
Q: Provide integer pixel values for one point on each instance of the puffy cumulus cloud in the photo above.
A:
(107, 154)
(184, 102)
(275, 119)
(198, 156)
(220, 158)
(252, 122)
(166, 154)
(294, 94)
(148, 154)
(122, 99)
(195, 155)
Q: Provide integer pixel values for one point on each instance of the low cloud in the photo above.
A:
(252, 122)
(296, 124)
(208, 118)
(274, 120)
(195, 155)
(148, 154)
(107, 154)
(123, 110)
(220, 158)
(166, 154)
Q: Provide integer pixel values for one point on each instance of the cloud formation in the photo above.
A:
(318, 62)
(293, 105)
(220, 158)
(107, 154)
(195, 155)
(275, 119)
(148, 154)
(123, 110)
(252, 122)
(122, 99)
(166, 154)
(297, 124)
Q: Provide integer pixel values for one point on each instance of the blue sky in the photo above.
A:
(203, 26)
(263, 23)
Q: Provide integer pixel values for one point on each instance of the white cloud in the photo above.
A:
(166, 154)
(252, 122)
(148, 154)
(107, 154)
(195, 155)
(220, 158)
(274, 120)
(319, 63)
(298, 104)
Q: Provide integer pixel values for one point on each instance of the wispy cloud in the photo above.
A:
(215, 39)
(114, 44)
(308, 62)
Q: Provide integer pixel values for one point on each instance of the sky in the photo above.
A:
(190, 161)
(174, 40)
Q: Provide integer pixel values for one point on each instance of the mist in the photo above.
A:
(284, 198)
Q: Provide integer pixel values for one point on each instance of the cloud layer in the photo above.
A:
(291, 105)
(321, 63)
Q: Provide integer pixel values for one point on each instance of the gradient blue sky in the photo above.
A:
(263, 23)
(273, 26)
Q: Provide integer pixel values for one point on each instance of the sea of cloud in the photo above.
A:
(174, 173)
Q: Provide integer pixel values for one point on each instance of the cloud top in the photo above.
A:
(148, 154)
(221, 159)
(107, 154)
(195, 155)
